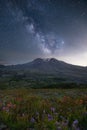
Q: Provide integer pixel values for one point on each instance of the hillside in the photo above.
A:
(43, 72)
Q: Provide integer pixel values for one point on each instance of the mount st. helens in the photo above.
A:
(49, 70)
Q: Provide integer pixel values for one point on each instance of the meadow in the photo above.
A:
(43, 109)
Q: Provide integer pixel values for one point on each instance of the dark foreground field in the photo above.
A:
(43, 109)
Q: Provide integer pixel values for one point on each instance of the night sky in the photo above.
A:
(31, 29)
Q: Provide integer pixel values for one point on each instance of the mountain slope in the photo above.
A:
(50, 67)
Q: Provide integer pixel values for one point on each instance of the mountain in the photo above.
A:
(2, 66)
(50, 66)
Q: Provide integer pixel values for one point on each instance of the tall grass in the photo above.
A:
(43, 109)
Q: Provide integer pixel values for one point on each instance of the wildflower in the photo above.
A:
(50, 117)
(65, 123)
(56, 113)
(59, 128)
(75, 124)
(44, 111)
(5, 109)
(52, 109)
(32, 120)
(37, 113)
(9, 105)
(81, 101)
(78, 128)
(57, 123)
(23, 114)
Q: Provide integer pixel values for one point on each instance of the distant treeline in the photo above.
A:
(62, 86)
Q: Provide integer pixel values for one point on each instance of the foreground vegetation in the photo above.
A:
(43, 109)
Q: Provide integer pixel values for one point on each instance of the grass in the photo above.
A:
(44, 109)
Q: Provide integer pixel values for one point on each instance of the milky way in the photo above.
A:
(43, 28)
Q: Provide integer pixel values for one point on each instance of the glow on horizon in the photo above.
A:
(78, 59)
